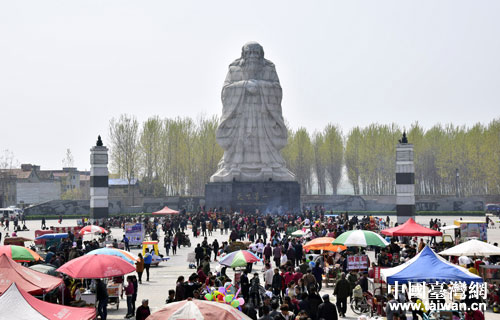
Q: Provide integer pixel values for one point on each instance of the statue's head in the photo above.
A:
(252, 51)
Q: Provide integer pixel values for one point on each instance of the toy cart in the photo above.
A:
(114, 292)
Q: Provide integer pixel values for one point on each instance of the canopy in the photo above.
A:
(27, 307)
(410, 228)
(428, 267)
(29, 280)
(324, 243)
(52, 236)
(165, 211)
(96, 266)
(198, 310)
(471, 248)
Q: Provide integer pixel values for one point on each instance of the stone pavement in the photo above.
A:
(163, 277)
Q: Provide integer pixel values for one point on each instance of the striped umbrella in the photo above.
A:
(360, 238)
(19, 253)
(92, 229)
(324, 243)
(116, 252)
(239, 258)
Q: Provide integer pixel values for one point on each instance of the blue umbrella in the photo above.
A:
(48, 236)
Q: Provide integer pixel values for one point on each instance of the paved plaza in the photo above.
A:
(163, 277)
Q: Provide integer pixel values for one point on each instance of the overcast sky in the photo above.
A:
(68, 67)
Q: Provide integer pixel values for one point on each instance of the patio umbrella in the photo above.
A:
(471, 248)
(92, 229)
(96, 266)
(45, 268)
(20, 254)
(301, 233)
(239, 258)
(324, 243)
(360, 238)
(198, 310)
(48, 236)
(127, 256)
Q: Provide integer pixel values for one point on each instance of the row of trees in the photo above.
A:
(178, 156)
(169, 156)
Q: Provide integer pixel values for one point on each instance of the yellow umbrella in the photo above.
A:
(324, 243)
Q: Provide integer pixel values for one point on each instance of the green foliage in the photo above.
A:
(177, 156)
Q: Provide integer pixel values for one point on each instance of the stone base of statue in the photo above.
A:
(267, 197)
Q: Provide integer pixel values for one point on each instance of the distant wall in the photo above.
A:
(388, 203)
(330, 202)
(36, 192)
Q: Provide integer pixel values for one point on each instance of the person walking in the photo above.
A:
(129, 292)
(327, 310)
(166, 243)
(139, 267)
(148, 258)
(342, 291)
(126, 242)
(174, 244)
(102, 299)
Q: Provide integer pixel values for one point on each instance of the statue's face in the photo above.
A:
(252, 53)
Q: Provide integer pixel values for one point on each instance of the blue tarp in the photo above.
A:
(428, 267)
(52, 236)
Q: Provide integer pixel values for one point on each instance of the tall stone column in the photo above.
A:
(405, 181)
(99, 181)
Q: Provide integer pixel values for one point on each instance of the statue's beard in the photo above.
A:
(252, 68)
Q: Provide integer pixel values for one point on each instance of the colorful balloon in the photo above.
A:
(241, 301)
(222, 290)
(208, 296)
(228, 298)
(235, 303)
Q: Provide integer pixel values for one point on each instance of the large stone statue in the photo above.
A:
(252, 131)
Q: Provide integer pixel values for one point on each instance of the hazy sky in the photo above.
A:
(68, 67)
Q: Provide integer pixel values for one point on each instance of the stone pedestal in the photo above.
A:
(267, 197)
(99, 182)
(405, 182)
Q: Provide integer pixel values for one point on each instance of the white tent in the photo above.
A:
(471, 248)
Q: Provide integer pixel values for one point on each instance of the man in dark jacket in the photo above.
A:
(342, 291)
(327, 310)
(102, 299)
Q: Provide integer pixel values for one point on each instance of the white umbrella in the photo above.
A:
(471, 248)
(301, 233)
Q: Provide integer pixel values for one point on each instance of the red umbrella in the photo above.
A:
(96, 266)
(410, 228)
(92, 229)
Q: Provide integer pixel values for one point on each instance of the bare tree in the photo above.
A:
(123, 133)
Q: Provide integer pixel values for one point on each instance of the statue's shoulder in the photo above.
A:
(236, 64)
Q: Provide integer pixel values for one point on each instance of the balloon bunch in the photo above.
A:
(225, 295)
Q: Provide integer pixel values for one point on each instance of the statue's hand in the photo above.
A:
(251, 86)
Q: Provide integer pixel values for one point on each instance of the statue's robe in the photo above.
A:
(252, 131)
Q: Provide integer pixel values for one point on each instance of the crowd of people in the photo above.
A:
(286, 285)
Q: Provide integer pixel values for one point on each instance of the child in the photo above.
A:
(171, 296)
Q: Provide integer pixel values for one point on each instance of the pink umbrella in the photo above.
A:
(92, 229)
(198, 310)
(96, 266)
